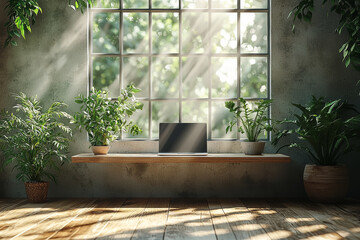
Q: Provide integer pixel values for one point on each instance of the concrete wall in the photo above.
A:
(52, 64)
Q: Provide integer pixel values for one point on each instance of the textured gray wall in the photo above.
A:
(52, 64)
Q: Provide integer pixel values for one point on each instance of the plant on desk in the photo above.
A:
(36, 141)
(105, 119)
(253, 121)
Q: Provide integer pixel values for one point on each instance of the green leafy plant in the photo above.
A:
(253, 120)
(349, 11)
(22, 15)
(35, 140)
(325, 130)
(105, 119)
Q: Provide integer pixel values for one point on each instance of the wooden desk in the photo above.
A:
(154, 158)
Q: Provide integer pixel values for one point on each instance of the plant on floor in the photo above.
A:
(253, 119)
(22, 15)
(105, 119)
(325, 130)
(34, 139)
(349, 12)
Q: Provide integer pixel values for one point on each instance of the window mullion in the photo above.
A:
(209, 72)
(150, 71)
(90, 50)
(238, 62)
(180, 63)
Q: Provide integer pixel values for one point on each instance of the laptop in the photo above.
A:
(182, 139)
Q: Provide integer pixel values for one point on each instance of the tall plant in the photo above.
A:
(34, 139)
(349, 12)
(324, 130)
(22, 15)
(105, 119)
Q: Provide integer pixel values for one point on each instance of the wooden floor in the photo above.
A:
(178, 219)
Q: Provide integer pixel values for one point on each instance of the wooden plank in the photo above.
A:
(295, 221)
(154, 158)
(242, 221)
(28, 216)
(352, 207)
(221, 226)
(270, 220)
(189, 219)
(57, 218)
(123, 223)
(310, 224)
(152, 223)
(9, 204)
(90, 223)
(345, 224)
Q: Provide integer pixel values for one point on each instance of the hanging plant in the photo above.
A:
(22, 15)
(349, 11)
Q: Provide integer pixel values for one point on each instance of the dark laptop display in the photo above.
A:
(183, 138)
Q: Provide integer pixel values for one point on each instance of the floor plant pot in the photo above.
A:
(326, 184)
(36, 192)
(100, 150)
(253, 148)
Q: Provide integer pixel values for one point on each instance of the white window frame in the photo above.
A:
(178, 10)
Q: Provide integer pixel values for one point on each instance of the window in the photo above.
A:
(187, 56)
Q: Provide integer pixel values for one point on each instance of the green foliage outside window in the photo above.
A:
(165, 71)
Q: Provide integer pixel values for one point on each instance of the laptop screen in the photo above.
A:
(183, 138)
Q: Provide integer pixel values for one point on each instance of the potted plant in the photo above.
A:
(36, 141)
(253, 121)
(325, 131)
(105, 119)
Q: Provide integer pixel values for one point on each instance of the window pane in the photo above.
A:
(107, 4)
(165, 32)
(163, 112)
(135, 3)
(136, 34)
(106, 33)
(223, 3)
(165, 3)
(253, 4)
(195, 32)
(141, 118)
(165, 82)
(224, 77)
(254, 77)
(195, 111)
(195, 82)
(194, 3)
(106, 75)
(254, 32)
(220, 117)
(136, 70)
(224, 32)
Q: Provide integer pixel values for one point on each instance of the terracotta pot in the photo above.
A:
(253, 148)
(36, 191)
(326, 184)
(100, 150)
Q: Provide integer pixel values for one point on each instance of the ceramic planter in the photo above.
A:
(100, 150)
(36, 192)
(253, 148)
(326, 184)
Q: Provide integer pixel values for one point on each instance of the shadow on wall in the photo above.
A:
(51, 62)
